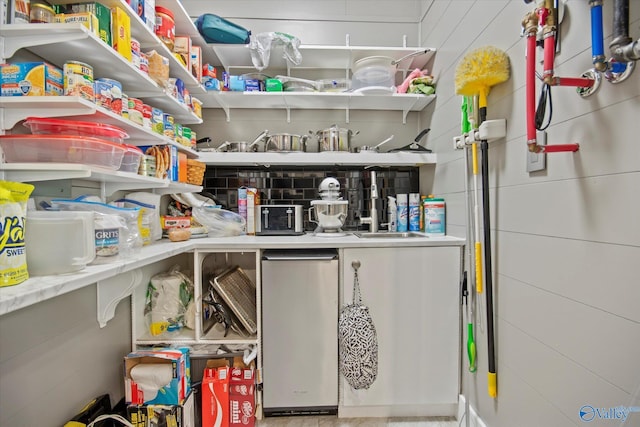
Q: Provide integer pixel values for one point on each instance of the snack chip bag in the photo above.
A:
(13, 211)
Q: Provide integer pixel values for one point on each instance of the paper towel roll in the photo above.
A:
(151, 377)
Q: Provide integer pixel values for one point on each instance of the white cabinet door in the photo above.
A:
(413, 298)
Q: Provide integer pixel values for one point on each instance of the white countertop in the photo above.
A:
(38, 289)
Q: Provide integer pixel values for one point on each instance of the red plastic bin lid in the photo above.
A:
(43, 125)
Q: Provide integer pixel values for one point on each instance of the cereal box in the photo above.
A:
(121, 32)
(31, 79)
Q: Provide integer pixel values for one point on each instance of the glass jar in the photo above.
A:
(41, 14)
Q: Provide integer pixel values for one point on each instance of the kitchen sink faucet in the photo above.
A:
(372, 219)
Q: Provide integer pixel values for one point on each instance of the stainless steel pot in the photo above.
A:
(286, 142)
(335, 139)
(374, 149)
(242, 146)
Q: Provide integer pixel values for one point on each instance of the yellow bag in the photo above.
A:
(13, 210)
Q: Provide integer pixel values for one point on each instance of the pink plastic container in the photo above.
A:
(62, 149)
(46, 126)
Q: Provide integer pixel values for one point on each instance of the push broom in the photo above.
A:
(476, 73)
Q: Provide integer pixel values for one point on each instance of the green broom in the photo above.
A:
(476, 73)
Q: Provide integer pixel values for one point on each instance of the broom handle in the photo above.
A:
(488, 281)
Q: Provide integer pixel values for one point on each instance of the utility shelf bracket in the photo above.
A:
(113, 290)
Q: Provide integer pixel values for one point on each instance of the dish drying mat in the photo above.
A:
(237, 290)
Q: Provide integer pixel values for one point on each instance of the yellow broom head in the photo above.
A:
(479, 70)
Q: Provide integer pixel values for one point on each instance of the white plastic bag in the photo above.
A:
(261, 44)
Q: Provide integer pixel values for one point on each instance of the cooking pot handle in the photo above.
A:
(223, 146)
(263, 135)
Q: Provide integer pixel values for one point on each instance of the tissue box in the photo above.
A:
(157, 362)
(173, 415)
(215, 393)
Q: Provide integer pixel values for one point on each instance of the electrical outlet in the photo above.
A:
(537, 161)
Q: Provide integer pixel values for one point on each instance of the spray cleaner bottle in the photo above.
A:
(392, 210)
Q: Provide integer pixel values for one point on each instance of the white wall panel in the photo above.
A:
(594, 274)
(565, 239)
(568, 327)
(55, 358)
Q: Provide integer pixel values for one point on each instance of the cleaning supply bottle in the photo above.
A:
(403, 212)
(392, 209)
(414, 212)
(434, 216)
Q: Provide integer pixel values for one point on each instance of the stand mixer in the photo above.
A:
(330, 211)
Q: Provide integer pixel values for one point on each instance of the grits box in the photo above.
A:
(31, 79)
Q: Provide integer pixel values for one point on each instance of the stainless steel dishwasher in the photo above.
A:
(299, 331)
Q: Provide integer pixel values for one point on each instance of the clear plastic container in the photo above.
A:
(62, 149)
(46, 126)
(41, 13)
(131, 159)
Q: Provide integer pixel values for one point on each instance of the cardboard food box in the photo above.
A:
(242, 399)
(215, 393)
(182, 46)
(160, 376)
(166, 415)
(31, 79)
(87, 19)
(253, 200)
(121, 32)
(228, 393)
(102, 14)
(196, 62)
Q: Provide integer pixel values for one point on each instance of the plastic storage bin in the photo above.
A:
(45, 126)
(62, 149)
(131, 159)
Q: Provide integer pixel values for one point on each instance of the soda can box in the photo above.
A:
(31, 79)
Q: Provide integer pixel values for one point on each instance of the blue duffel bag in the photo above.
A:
(215, 29)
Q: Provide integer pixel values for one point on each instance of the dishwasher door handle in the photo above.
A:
(299, 257)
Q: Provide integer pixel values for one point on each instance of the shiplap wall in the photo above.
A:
(566, 240)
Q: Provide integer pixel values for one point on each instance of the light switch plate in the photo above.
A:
(537, 161)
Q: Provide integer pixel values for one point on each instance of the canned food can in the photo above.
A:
(103, 93)
(135, 110)
(20, 11)
(194, 139)
(147, 166)
(135, 53)
(78, 80)
(146, 115)
(157, 124)
(125, 106)
(177, 133)
(144, 63)
(116, 95)
(167, 120)
(186, 136)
